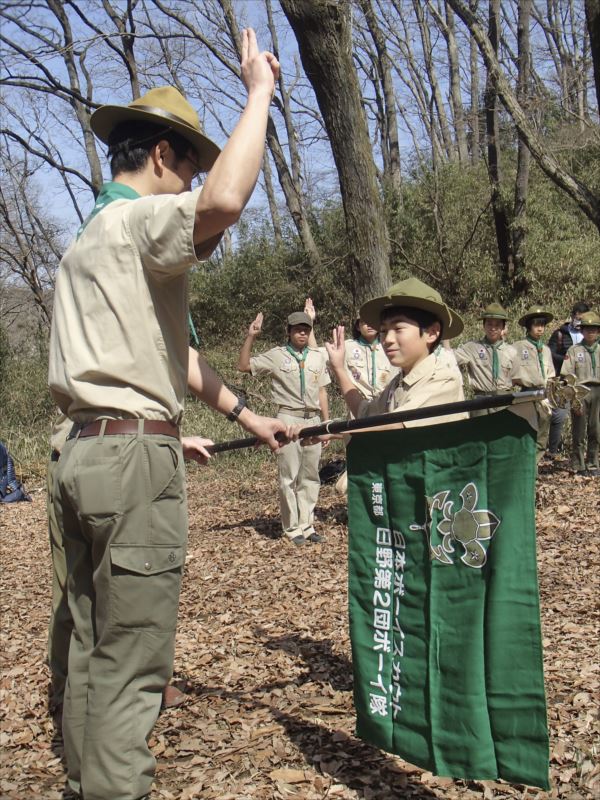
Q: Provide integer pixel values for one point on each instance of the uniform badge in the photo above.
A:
(482, 353)
(356, 354)
(355, 373)
(525, 355)
(580, 356)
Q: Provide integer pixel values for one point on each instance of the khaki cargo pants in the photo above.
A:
(61, 621)
(120, 501)
(586, 422)
(299, 482)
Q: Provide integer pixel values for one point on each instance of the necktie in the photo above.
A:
(301, 359)
(539, 346)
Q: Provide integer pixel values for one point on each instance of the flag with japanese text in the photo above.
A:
(443, 598)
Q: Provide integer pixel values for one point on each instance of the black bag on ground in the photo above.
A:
(11, 489)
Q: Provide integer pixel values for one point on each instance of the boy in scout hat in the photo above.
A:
(412, 319)
(298, 379)
(583, 361)
(119, 367)
(488, 362)
(533, 366)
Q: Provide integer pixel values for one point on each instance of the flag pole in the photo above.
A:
(394, 417)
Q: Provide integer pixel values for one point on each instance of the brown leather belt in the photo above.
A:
(124, 427)
(307, 413)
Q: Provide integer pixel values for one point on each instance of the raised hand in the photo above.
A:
(336, 348)
(309, 308)
(256, 326)
(260, 70)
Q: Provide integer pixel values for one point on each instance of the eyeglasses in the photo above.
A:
(195, 165)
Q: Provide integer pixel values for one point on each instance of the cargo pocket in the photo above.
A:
(144, 585)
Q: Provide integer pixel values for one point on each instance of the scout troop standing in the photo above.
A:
(298, 379)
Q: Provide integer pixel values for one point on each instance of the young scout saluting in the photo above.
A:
(119, 364)
(533, 366)
(583, 361)
(489, 361)
(298, 380)
(412, 318)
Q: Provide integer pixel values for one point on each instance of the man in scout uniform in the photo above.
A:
(298, 380)
(533, 366)
(412, 319)
(583, 361)
(488, 362)
(119, 366)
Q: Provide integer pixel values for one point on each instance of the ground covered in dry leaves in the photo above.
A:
(264, 655)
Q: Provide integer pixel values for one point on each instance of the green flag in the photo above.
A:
(444, 608)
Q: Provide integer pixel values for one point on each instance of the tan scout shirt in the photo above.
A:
(526, 366)
(119, 341)
(60, 430)
(427, 384)
(284, 371)
(359, 366)
(578, 362)
(477, 358)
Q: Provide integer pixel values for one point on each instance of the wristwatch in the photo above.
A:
(237, 410)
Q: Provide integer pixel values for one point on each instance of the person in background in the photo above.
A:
(561, 339)
(533, 367)
(583, 361)
(299, 378)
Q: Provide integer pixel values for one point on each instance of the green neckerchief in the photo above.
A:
(592, 351)
(539, 346)
(373, 348)
(300, 358)
(110, 191)
(495, 357)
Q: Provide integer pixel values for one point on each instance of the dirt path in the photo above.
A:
(263, 647)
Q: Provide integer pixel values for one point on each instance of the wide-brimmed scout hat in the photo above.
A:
(299, 318)
(494, 311)
(589, 320)
(162, 106)
(536, 312)
(413, 293)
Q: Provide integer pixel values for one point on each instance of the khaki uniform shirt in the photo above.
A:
(119, 340)
(477, 358)
(284, 370)
(359, 366)
(428, 383)
(60, 430)
(578, 362)
(526, 366)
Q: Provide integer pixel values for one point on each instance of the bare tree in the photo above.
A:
(323, 32)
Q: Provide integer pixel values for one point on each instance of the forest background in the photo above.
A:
(455, 141)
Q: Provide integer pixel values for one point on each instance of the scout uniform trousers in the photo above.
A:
(299, 482)
(120, 501)
(590, 419)
(61, 621)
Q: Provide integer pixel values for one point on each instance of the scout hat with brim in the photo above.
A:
(494, 311)
(413, 293)
(589, 320)
(299, 318)
(163, 106)
(537, 312)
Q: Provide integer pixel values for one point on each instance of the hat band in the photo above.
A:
(159, 112)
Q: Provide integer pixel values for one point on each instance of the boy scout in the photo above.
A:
(298, 380)
(583, 361)
(533, 366)
(488, 362)
(119, 364)
(411, 318)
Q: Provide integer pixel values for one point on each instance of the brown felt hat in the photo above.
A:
(494, 311)
(299, 318)
(589, 320)
(162, 106)
(536, 312)
(413, 293)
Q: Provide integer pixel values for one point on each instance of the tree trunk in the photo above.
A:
(592, 16)
(523, 154)
(275, 218)
(501, 220)
(455, 92)
(323, 32)
(474, 87)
